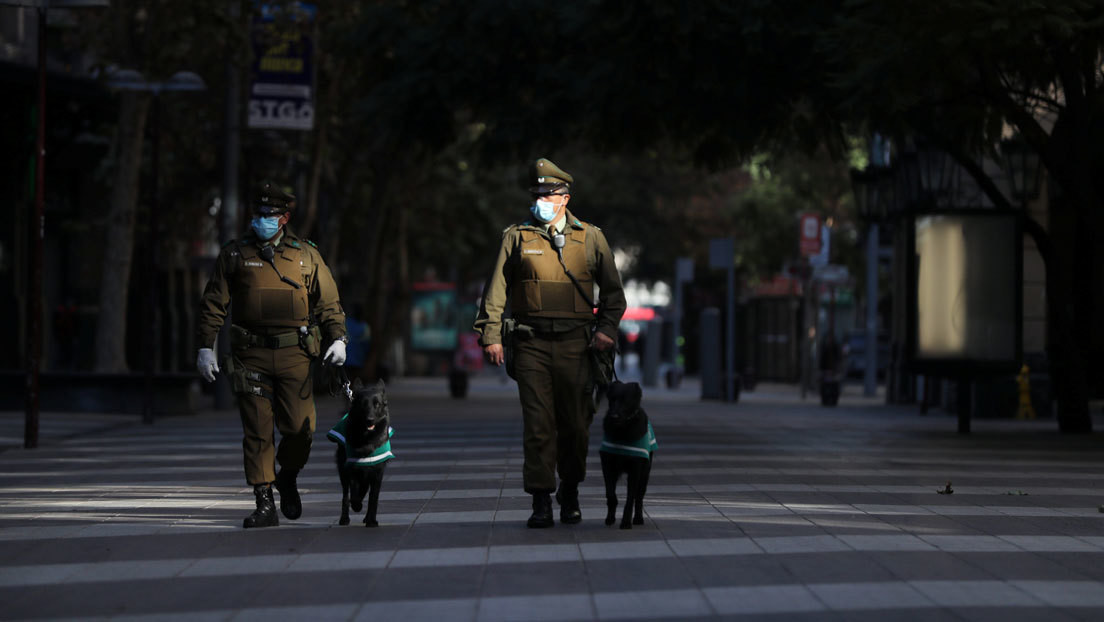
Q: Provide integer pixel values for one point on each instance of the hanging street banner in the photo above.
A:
(281, 91)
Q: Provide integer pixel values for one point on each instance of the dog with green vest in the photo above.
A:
(627, 447)
(363, 438)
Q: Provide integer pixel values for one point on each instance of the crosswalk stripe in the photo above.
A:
(779, 599)
(98, 572)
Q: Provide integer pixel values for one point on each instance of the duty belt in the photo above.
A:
(244, 338)
(581, 332)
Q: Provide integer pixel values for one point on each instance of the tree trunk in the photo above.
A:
(1070, 302)
(310, 205)
(379, 289)
(1061, 244)
(111, 322)
(1073, 198)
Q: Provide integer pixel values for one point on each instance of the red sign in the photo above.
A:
(810, 235)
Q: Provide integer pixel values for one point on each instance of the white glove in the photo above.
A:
(335, 355)
(206, 364)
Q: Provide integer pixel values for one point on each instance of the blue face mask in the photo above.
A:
(265, 226)
(543, 211)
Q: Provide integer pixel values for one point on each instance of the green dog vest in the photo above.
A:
(640, 448)
(380, 455)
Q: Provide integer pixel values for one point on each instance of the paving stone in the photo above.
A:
(773, 509)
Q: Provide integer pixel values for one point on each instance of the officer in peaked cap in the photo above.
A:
(273, 200)
(549, 178)
(285, 303)
(547, 271)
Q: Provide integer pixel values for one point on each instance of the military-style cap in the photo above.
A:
(549, 178)
(271, 199)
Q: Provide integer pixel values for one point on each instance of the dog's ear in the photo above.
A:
(357, 384)
(380, 384)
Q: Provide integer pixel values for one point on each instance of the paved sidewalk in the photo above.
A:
(772, 509)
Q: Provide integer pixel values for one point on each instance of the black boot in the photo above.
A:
(568, 498)
(265, 514)
(290, 503)
(542, 511)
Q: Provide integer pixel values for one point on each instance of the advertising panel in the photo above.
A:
(968, 288)
(433, 316)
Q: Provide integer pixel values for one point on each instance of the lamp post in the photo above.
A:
(38, 216)
(131, 80)
(928, 182)
(873, 192)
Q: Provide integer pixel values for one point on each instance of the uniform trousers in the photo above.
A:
(291, 411)
(554, 384)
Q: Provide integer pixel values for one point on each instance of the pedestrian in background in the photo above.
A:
(547, 270)
(284, 300)
(359, 335)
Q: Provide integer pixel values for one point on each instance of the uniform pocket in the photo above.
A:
(277, 304)
(531, 293)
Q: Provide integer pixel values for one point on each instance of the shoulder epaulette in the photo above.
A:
(293, 244)
(311, 242)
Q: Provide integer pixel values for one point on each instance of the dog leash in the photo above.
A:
(339, 375)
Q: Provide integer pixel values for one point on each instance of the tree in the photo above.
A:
(960, 74)
(730, 79)
(154, 38)
(426, 87)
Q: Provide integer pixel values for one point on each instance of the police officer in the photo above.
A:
(284, 302)
(547, 269)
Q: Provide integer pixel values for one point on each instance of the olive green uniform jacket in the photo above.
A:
(502, 283)
(297, 259)
(279, 394)
(553, 367)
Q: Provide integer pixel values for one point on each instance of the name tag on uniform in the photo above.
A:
(532, 251)
(255, 264)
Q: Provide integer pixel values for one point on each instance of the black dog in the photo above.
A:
(627, 448)
(363, 438)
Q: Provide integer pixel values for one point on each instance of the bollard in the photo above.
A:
(712, 386)
(1023, 380)
(649, 360)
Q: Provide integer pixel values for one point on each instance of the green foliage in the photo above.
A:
(682, 121)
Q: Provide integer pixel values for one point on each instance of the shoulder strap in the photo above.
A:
(586, 295)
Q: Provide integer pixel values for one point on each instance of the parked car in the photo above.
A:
(854, 350)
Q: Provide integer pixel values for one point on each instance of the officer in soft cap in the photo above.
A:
(547, 270)
(285, 303)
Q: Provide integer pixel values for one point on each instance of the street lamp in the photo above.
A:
(935, 169)
(1022, 166)
(131, 80)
